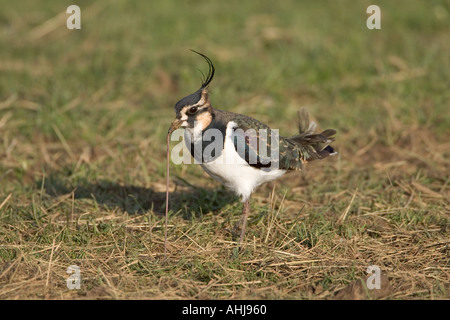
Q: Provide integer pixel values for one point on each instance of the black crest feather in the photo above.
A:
(211, 70)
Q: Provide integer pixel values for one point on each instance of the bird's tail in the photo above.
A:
(316, 145)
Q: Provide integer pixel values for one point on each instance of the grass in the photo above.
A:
(83, 117)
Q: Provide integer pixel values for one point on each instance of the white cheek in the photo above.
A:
(184, 124)
(184, 116)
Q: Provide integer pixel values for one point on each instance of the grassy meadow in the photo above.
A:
(83, 122)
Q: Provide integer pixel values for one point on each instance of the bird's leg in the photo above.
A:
(245, 212)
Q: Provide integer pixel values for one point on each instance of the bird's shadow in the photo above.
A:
(186, 201)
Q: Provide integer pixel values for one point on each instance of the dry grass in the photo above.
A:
(297, 247)
(82, 156)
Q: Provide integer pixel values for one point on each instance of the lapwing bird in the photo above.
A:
(244, 152)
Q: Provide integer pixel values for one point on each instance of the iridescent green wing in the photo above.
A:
(255, 142)
(262, 147)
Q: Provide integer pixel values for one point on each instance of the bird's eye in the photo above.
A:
(193, 110)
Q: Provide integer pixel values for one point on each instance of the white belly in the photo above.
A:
(240, 178)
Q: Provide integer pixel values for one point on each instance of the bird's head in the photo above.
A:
(195, 108)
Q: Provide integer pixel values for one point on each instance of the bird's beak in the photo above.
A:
(175, 125)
